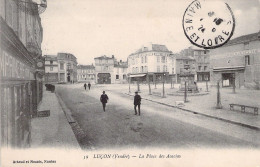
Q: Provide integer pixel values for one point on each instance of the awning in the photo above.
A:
(137, 75)
(234, 68)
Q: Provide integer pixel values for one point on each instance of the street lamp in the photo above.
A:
(40, 7)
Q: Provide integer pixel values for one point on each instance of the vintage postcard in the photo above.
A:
(130, 83)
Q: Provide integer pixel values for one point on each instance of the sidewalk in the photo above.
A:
(52, 131)
(204, 104)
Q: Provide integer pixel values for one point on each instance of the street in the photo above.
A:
(158, 126)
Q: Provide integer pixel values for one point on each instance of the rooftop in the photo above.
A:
(153, 47)
(244, 38)
(86, 66)
(104, 57)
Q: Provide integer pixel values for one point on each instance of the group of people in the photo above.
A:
(85, 86)
(137, 102)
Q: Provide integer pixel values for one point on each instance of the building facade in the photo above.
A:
(51, 69)
(237, 63)
(202, 62)
(108, 70)
(86, 73)
(151, 62)
(21, 72)
(183, 66)
(120, 72)
(61, 68)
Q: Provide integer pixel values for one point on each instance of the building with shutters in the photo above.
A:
(153, 61)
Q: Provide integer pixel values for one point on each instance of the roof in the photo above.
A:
(86, 66)
(181, 57)
(153, 47)
(244, 38)
(50, 57)
(103, 57)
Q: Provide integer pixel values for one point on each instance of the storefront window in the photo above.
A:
(247, 60)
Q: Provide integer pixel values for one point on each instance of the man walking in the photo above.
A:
(85, 86)
(89, 85)
(137, 102)
(104, 99)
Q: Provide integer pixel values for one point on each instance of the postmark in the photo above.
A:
(208, 24)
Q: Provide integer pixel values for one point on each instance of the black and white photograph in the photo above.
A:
(156, 83)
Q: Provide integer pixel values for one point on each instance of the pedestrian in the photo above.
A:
(104, 99)
(89, 85)
(85, 86)
(137, 102)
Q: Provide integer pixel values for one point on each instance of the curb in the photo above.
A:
(206, 115)
(76, 129)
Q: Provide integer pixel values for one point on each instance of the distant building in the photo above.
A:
(152, 60)
(184, 66)
(120, 71)
(202, 62)
(86, 73)
(51, 69)
(61, 68)
(237, 62)
(108, 70)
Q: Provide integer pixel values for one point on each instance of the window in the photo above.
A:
(173, 70)
(186, 62)
(142, 69)
(247, 60)
(51, 68)
(205, 52)
(158, 68)
(163, 59)
(205, 68)
(246, 45)
(137, 70)
(158, 59)
(124, 76)
(199, 67)
(142, 59)
(51, 62)
(62, 66)
(145, 59)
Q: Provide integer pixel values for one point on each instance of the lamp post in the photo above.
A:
(219, 106)
(149, 86)
(163, 85)
(129, 81)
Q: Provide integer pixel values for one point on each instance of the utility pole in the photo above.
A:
(219, 106)
(185, 93)
(207, 87)
(138, 86)
(148, 78)
(129, 81)
(163, 86)
(234, 84)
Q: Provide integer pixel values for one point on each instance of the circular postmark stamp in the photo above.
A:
(208, 24)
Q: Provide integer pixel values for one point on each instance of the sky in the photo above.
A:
(92, 28)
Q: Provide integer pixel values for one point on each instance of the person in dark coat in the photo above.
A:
(89, 85)
(137, 102)
(85, 86)
(104, 99)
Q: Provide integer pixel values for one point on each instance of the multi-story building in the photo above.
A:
(21, 68)
(152, 60)
(237, 62)
(108, 70)
(120, 71)
(61, 68)
(86, 73)
(51, 69)
(67, 66)
(183, 66)
(202, 62)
